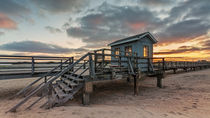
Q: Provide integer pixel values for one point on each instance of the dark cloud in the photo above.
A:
(109, 22)
(182, 49)
(186, 29)
(57, 6)
(1, 33)
(190, 9)
(205, 46)
(53, 29)
(6, 22)
(157, 2)
(12, 7)
(38, 47)
(205, 43)
(189, 19)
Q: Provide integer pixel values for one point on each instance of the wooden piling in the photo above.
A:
(88, 89)
(50, 101)
(136, 87)
(160, 76)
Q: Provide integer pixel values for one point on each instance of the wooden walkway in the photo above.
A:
(95, 66)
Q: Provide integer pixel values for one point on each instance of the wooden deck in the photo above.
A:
(95, 66)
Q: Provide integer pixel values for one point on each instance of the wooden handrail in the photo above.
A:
(34, 82)
(13, 109)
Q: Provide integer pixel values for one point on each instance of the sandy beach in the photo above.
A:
(184, 95)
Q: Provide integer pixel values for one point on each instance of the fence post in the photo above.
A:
(50, 104)
(163, 59)
(84, 65)
(95, 59)
(103, 58)
(119, 57)
(32, 65)
(148, 69)
(136, 61)
(61, 65)
(72, 61)
(91, 67)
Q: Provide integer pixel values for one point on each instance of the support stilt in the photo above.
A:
(136, 87)
(159, 80)
(50, 102)
(174, 71)
(88, 89)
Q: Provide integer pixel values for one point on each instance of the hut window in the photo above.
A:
(146, 51)
(117, 52)
(128, 50)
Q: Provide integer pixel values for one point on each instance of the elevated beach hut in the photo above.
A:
(140, 45)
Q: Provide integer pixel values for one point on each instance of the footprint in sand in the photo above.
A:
(172, 112)
(186, 108)
(165, 115)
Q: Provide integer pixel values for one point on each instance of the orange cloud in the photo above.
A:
(6, 22)
(137, 25)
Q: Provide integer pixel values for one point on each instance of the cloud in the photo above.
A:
(53, 29)
(189, 19)
(13, 8)
(38, 47)
(186, 29)
(107, 22)
(157, 2)
(187, 49)
(205, 44)
(1, 33)
(6, 22)
(58, 6)
(182, 49)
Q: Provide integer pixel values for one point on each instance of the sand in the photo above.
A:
(184, 95)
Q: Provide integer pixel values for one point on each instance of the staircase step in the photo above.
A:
(69, 82)
(59, 92)
(73, 78)
(65, 87)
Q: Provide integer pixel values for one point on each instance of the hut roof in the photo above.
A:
(134, 38)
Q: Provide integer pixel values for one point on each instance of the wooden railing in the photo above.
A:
(10, 64)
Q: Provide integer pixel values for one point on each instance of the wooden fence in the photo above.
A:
(30, 65)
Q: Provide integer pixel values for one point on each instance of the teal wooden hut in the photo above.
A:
(141, 44)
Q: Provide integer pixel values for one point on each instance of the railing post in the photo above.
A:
(32, 65)
(163, 60)
(50, 104)
(84, 65)
(91, 67)
(136, 61)
(95, 59)
(61, 65)
(148, 69)
(103, 58)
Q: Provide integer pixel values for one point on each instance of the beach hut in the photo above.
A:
(140, 45)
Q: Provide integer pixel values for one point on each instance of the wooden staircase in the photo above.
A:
(65, 88)
(59, 88)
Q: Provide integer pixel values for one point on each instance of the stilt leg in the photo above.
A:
(159, 80)
(174, 71)
(50, 99)
(85, 98)
(136, 87)
(88, 89)
(128, 79)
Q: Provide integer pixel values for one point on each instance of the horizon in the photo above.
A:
(72, 28)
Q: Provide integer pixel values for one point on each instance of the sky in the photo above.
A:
(74, 27)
